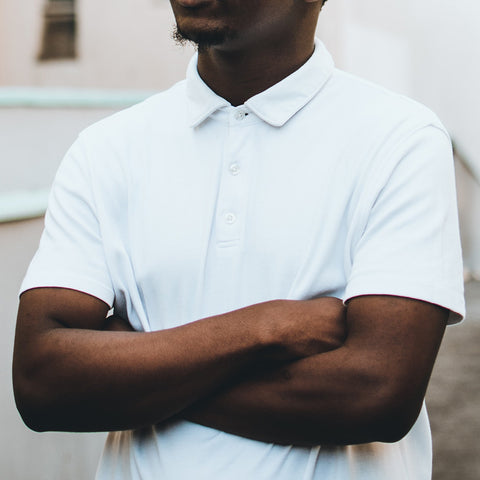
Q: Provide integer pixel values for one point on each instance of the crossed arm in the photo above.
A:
(293, 372)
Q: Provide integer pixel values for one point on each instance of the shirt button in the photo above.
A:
(240, 115)
(230, 218)
(234, 169)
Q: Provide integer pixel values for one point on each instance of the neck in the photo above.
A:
(238, 74)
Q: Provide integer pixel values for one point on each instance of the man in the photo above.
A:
(281, 236)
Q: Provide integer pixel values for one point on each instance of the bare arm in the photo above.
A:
(370, 389)
(69, 375)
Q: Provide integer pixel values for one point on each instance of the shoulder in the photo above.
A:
(132, 124)
(112, 145)
(377, 129)
(106, 154)
(371, 110)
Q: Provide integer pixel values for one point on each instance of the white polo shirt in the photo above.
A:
(184, 207)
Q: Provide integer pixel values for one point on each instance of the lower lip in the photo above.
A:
(192, 3)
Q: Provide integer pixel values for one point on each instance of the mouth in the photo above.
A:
(193, 4)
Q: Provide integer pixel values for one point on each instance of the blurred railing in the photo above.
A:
(38, 97)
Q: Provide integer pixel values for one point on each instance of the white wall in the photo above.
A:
(19, 39)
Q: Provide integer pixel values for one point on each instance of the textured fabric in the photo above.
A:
(184, 207)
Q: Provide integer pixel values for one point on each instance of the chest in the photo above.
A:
(228, 219)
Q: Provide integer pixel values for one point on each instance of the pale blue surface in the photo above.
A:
(23, 204)
(39, 97)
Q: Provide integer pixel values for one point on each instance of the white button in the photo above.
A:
(230, 218)
(234, 169)
(240, 115)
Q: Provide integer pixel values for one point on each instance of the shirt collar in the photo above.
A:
(277, 104)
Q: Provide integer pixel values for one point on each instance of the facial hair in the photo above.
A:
(202, 40)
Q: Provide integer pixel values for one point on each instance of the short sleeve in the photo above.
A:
(71, 253)
(410, 243)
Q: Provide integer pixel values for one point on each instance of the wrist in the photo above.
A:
(275, 328)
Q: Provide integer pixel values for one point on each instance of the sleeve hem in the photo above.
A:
(88, 286)
(449, 299)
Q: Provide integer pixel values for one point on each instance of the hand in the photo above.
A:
(303, 328)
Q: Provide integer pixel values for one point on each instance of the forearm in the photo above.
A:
(86, 380)
(89, 380)
(323, 399)
(369, 389)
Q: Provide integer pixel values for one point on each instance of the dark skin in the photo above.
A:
(370, 389)
(254, 399)
(74, 370)
(292, 372)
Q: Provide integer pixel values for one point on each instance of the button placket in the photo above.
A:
(232, 198)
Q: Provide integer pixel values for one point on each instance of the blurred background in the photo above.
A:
(67, 63)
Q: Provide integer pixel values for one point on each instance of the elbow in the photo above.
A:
(373, 413)
(391, 430)
(394, 426)
(380, 408)
(33, 421)
(31, 393)
(29, 405)
(393, 414)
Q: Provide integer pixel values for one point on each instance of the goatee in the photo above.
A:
(202, 40)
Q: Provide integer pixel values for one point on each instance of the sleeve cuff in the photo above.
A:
(60, 280)
(388, 285)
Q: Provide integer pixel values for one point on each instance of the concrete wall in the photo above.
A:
(25, 455)
(20, 31)
(34, 140)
